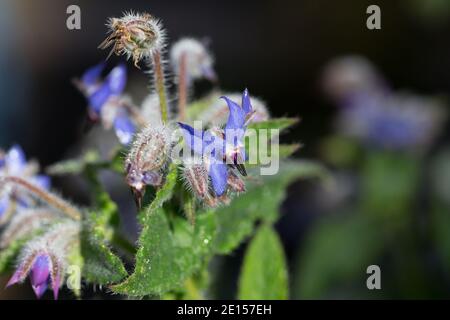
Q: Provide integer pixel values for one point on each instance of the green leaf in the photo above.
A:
(260, 202)
(100, 264)
(284, 151)
(264, 273)
(8, 254)
(166, 258)
(169, 251)
(276, 123)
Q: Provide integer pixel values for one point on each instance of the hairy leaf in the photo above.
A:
(169, 251)
(261, 201)
(100, 264)
(166, 258)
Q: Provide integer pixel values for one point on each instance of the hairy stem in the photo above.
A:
(182, 89)
(45, 196)
(159, 83)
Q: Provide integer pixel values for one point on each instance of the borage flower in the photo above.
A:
(14, 163)
(216, 114)
(220, 150)
(45, 258)
(106, 100)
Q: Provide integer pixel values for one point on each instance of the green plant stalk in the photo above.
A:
(159, 83)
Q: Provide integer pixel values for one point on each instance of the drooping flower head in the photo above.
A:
(222, 150)
(192, 55)
(147, 159)
(106, 100)
(45, 259)
(14, 163)
(134, 35)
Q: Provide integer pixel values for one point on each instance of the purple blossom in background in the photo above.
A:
(14, 163)
(106, 101)
(392, 121)
(371, 112)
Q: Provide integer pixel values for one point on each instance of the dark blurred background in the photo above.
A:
(275, 48)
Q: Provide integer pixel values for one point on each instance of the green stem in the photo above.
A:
(159, 83)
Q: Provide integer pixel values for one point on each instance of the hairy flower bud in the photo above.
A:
(147, 159)
(134, 35)
(197, 61)
(195, 174)
(235, 182)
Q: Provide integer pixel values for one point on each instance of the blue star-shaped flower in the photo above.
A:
(220, 148)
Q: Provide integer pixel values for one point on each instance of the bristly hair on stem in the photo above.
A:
(43, 195)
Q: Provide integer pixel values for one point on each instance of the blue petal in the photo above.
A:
(194, 138)
(2, 159)
(42, 181)
(124, 128)
(236, 118)
(117, 79)
(40, 289)
(92, 75)
(246, 104)
(4, 204)
(219, 174)
(15, 160)
(40, 272)
(99, 97)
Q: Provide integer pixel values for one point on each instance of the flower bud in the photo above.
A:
(134, 35)
(196, 177)
(235, 182)
(147, 159)
(198, 61)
